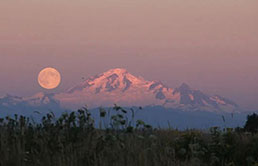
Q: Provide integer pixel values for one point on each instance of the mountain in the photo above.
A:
(160, 117)
(118, 86)
(38, 102)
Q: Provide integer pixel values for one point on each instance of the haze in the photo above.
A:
(211, 45)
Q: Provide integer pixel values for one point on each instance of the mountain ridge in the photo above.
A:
(118, 86)
(121, 87)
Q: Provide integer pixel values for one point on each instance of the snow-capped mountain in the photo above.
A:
(118, 86)
(39, 101)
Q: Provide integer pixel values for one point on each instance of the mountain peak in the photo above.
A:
(121, 87)
(184, 87)
(117, 78)
(118, 71)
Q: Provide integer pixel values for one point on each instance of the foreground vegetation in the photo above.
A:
(73, 140)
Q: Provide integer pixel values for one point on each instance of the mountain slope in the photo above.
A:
(120, 87)
(39, 102)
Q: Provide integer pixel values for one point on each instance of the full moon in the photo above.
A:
(49, 78)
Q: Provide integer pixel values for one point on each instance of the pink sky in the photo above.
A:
(210, 44)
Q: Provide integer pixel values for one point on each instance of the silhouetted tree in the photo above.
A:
(251, 124)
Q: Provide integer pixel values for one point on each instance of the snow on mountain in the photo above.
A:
(40, 101)
(114, 86)
(118, 86)
(9, 100)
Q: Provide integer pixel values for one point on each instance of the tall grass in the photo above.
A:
(74, 140)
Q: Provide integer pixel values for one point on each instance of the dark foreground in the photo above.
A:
(72, 140)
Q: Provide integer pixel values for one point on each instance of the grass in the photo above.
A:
(73, 140)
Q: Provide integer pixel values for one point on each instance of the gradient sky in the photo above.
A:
(210, 44)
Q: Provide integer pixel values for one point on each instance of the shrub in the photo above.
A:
(252, 123)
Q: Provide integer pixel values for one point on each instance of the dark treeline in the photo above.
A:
(73, 140)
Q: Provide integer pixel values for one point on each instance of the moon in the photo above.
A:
(49, 78)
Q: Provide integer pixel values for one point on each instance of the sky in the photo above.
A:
(210, 44)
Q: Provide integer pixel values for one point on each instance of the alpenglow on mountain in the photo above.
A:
(118, 86)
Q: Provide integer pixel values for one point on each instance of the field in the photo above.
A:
(74, 140)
